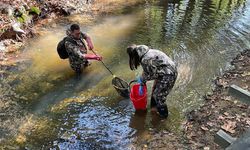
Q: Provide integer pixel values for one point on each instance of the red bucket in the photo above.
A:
(139, 101)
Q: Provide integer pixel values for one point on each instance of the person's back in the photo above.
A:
(158, 58)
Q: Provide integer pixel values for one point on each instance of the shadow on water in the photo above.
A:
(201, 36)
(67, 89)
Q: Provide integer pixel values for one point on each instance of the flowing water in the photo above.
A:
(66, 112)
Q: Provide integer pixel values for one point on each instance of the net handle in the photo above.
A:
(104, 64)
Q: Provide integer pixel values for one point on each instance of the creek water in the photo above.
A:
(65, 112)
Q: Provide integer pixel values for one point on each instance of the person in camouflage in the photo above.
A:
(156, 66)
(77, 51)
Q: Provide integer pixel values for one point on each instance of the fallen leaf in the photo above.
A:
(242, 106)
(204, 128)
(227, 98)
(226, 113)
(238, 117)
(229, 126)
(245, 74)
(243, 114)
(206, 148)
(184, 122)
(230, 117)
(191, 136)
(221, 117)
(248, 122)
(221, 82)
(211, 124)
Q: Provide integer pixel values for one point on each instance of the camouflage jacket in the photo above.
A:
(76, 51)
(155, 63)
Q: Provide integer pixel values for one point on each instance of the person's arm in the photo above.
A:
(88, 40)
(92, 57)
(75, 50)
(149, 70)
(144, 77)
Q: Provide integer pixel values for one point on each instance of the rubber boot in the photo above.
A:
(163, 110)
(153, 102)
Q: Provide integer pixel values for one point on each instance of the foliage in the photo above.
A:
(35, 10)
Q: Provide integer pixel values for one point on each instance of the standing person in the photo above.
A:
(156, 66)
(76, 45)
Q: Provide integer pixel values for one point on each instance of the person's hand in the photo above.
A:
(140, 81)
(92, 57)
(99, 58)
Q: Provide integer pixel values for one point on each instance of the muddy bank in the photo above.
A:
(220, 111)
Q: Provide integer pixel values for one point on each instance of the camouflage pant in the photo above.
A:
(161, 89)
(78, 67)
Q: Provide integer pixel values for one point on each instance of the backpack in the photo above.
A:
(61, 49)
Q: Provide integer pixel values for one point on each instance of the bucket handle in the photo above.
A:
(129, 85)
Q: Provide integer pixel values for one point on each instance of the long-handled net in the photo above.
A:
(121, 86)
